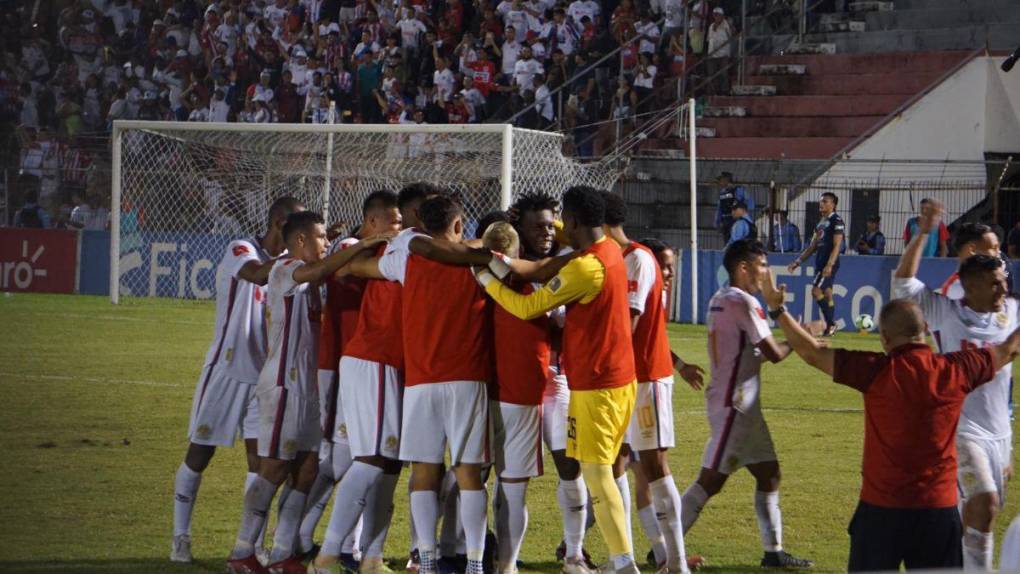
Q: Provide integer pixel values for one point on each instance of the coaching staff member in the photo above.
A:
(912, 400)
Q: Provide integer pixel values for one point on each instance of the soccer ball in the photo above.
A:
(864, 322)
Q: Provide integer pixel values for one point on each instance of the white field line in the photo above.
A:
(14, 377)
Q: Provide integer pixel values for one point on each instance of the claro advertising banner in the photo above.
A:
(38, 260)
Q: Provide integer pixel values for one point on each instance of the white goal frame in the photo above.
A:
(120, 127)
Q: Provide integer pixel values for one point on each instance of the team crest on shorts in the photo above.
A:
(230, 354)
(203, 431)
(391, 442)
(342, 430)
(290, 447)
(293, 373)
(969, 479)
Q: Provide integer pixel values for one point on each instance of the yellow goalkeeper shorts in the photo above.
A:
(597, 421)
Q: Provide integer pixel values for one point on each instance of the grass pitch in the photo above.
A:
(96, 405)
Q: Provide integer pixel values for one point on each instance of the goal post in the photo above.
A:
(182, 191)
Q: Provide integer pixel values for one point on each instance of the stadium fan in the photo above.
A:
(985, 316)
(650, 434)
(827, 245)
(738, 339)
(224, 403)
(907, 514)
(288, 400)
(597, 358)
(938, 243)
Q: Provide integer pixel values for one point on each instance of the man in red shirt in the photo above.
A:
(912, 401)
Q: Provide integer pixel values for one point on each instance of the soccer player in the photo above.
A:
(341, 313)
(738, 340)
(651, 426)
(971, 239)
(597, 358)
(827, 245)
(224, 402)
(287, 391)
(985, 316)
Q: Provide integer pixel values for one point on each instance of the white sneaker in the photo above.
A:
(262, 555)
(576, 566)
(629, 568)
(180, 549)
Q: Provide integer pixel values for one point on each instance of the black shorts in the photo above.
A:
(922, 538)
(824, 283)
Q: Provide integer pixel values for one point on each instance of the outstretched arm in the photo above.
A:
(449, 252)
(255, 272)
(803, 256)
(577, 280)
(802, 343)
(325, 267)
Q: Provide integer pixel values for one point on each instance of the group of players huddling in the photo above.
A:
(463, 357)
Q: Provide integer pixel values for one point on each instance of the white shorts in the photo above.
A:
(516, 439)
(288, 423)
(454, 412)
(372, 400)
(651, 425)
(981, 466)
(221, 409)
(737, 439)
(331, 415)
(555, 401)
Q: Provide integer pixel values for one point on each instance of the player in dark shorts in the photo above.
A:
(827, 245)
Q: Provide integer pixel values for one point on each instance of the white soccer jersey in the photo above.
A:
(640, 278)
(953, 287)
(956, 327)
(239, 333)
(736, 324)
(295, 311)
(393, 263)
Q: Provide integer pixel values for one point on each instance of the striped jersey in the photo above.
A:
(295, 311)
(239, 333)
(736, 324)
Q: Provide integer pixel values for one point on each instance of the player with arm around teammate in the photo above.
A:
(827, 245)
(739, 339)
(985, 316)
(224, 404)
(287, 392)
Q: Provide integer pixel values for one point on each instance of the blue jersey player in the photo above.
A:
(827, 245)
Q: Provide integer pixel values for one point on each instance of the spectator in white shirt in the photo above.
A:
(560, 33)
(90, 216)
(219, 109)
(366, 45)
(510, 51)
(29, 109)
(411, 31)
(543, 101)
(673, 10)
(720, 39)
(443, 79)
(525, 70)
(649, 32)
(581, 8)
(644, 79)
(474, 99)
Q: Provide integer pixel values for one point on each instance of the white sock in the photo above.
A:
(978, 548)
(249, 479)
(377, 516)
(257, 499)
(668, 504)
(624, 485)
(449, 497)
(572, 495)
(770, 520)
(185, 490)
(341, 460)
(352, 494)
(474, 518)
(620, 561)
(694, 500)
(425, 512)
(651, 527)
(412, 533)
(287, 526)
(511, 522)
(353, 540)
(318, 498)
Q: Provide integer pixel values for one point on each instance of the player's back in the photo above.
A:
(340, 311)
(294, 315)
(378, 334)
(239, 333)
(651, 344)
(736, 323)
(446, 328)
(522, 351)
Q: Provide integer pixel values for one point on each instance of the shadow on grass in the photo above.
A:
(120, 565)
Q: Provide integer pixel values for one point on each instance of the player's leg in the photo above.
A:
(377, 517)
(646, 515)
(596, 427)
(450, 529)
(318, 499)
(620, 465)
(719, 460)
(830, 302)
(272, 473)
(571, 492)
(980, 500)
(518, 452)
(467, 427)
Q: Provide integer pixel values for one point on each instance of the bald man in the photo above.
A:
(912, 401)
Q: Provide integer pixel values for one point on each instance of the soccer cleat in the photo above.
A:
(695, 562)
(262, 555)
(374, 566)
(349, 563)
(783, 560)
(180, 548)
(629, 568)
(292, 565)
(413, 561)
(249, 565)
(576, 566)
(561, 553)
(830, 331)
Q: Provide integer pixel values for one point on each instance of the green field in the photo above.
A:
(96, 402)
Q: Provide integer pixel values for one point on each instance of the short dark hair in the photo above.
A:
(977, 264)
(379, 199)
(300, 221)
(874, 219)
(438, 212)
(585, 203)
(831, 196)
(535, 201)
(741, 204)
(616, 208)
(656, 245)
(488, 219)
(414, 191)
(925, 200)
(283, 207)
(740, 251)
(969, 232)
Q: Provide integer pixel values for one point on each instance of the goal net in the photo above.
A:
(182, 191)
